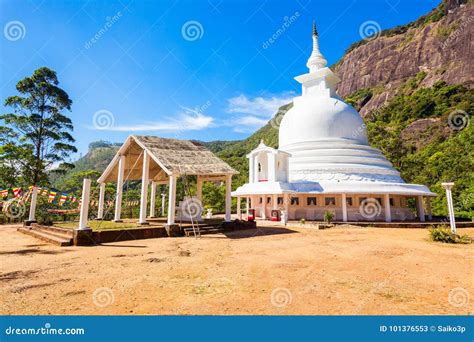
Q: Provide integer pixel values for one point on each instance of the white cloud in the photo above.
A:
(254, 112)
(259, 106)
(247, 124)
(187, 121)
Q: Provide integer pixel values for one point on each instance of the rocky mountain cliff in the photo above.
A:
(438, 44)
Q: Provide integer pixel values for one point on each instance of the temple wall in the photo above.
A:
(303, 208)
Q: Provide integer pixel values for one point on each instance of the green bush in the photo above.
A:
(443, 234)
(302, 221)
(328, 217)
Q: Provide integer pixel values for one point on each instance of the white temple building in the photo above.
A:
(325, 163)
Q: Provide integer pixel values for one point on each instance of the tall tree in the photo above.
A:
(36, 136)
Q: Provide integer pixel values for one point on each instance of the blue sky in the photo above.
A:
(186, 69)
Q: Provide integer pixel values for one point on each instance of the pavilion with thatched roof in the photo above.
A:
(158, 160)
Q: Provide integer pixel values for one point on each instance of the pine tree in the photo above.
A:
(36, 136)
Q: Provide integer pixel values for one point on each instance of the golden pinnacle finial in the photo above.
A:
(315, 32)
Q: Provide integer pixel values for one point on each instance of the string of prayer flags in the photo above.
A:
(52, 196)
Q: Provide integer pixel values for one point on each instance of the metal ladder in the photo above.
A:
(187, 194)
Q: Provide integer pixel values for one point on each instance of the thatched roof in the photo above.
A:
(167, 156)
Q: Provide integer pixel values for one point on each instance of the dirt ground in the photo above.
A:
(347, 270)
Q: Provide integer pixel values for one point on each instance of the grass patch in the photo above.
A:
(97, 225)
(443, 234)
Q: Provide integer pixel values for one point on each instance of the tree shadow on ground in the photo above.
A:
(33, 251)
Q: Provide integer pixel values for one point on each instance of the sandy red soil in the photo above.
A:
(347, 270)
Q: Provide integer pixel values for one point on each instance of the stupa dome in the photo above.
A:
(314, 118)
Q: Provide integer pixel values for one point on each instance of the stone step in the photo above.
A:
(62, 232)
(53, 233)
(203, 230)
(59, 234)
(47, 237)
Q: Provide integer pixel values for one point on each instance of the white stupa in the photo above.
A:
(325, 163)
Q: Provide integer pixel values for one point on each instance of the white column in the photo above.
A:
(172, 199)
(386, 203)
(34, 199)
(274, 202)
(239, 211)
(144, 192)
(163, 201)
(228, 198)
(344, 207)
(256, 175)
(247, 205)
(100, 211)
(286, 205)
(421, 208)
(428, 207)
(449, 198)
(199, 188)
(118, 197)
(271, 160)
(86, 191)
(251, 170)
(152, 199)
(264, 207)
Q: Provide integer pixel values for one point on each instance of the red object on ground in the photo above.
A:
(251, 215)
(275, 215)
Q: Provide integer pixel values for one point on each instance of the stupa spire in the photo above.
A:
(316, 61)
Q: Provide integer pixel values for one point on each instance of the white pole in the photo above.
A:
(86, 191)
(421, 208)
(247, 205)
(239, 211)
(163, 200)
(228, 199)
(118, 198)
(428, 207)
(344, 207)
(152, 199)
(34, 198)
(100, 211)
(144, 192)
(388, 213)
(172, 199)
(449, 197)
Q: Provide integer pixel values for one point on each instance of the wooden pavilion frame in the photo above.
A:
(158, 160)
